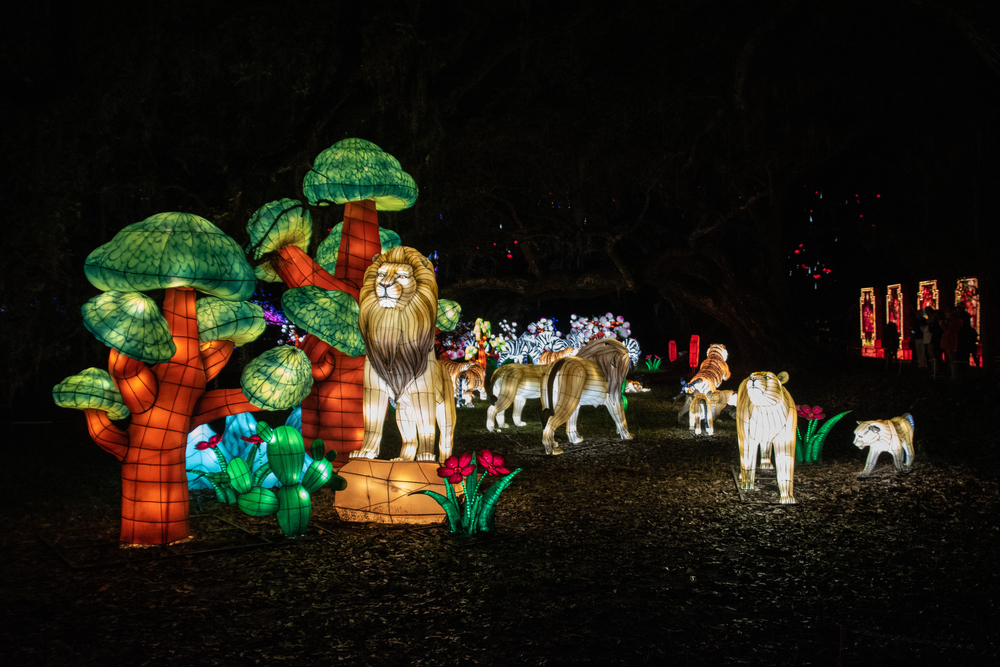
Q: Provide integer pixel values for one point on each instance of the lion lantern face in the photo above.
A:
(394, 285)
(766, 419)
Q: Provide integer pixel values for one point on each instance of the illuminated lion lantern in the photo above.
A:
(766, 418)
(712, 372)
(593, 377)
(889, 435)
(398, 310)
(513, 384)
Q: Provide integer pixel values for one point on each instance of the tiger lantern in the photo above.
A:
(712, 372)
(593, 377)
(513, 384)
(888, 435)
(706, 408)
(766, 418)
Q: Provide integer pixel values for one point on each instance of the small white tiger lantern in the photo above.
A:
(888, 435)
(766, 418)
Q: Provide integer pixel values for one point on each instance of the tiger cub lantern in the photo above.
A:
(894, 436)
(398, 311)
(766, 419)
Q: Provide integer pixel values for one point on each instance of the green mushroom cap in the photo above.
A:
(278, 379)
(172, 250)
(238, 321)
(354, 170)
(274, 226)
(131, 323)
(329, 314)
(92, 388)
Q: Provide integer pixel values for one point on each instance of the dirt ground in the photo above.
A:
(617, 552)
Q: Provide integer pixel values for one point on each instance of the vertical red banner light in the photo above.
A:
(695, 351)
(871, 322)
(897, 310)
(967, 294)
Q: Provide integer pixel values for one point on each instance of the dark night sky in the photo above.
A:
(114, 111)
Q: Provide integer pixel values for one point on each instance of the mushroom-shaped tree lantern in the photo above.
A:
(365, 179)
(160, 364)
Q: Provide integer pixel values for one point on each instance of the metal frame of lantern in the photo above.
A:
(967, 292)
(927, 294)
(895, 307)
(870, 322)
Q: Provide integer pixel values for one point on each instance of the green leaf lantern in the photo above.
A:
(356, 169)
(172, 250)
(92, 388)
(326, 253)
(131, 323)
(329, 314)
(449, 312)
(238, 321)
(280, 223)
(278, 379)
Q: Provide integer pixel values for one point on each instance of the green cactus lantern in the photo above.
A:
(292, 501)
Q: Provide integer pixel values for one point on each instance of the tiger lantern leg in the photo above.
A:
(572, 434)
(504, 390)
(784, 463)
(873, 455)
(375, 405)
(767, 456)
(519, 402)
(617, 411)
(495, 418)
(904, 431)
(698, 411)
(566, 391)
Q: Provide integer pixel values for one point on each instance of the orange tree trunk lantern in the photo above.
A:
(160, 364)
(365, 179)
